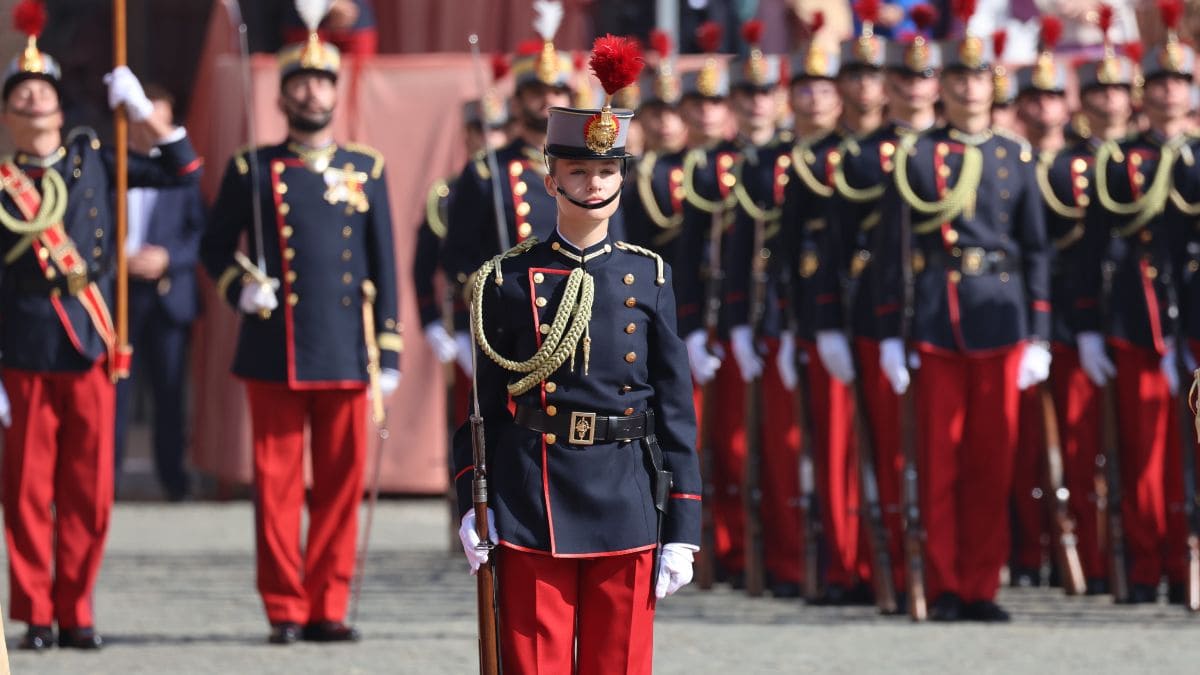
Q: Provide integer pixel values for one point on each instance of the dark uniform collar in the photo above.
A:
(565, 250)
(967, 138)
(316, 159)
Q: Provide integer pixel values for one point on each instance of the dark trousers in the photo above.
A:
(160, 347)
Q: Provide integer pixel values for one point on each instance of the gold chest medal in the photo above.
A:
(345, 186)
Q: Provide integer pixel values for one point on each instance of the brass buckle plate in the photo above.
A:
(583, 428)
(972, 261)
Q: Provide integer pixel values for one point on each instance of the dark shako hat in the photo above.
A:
(587, 133)
(29, 18)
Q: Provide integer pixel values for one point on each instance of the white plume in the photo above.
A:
(312, 12)
(549, 16)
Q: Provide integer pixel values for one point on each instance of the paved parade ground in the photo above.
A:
(176, 595)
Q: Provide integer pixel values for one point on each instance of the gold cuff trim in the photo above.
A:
(391, 342)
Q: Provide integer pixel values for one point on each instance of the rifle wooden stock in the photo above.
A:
(1118, 576)
(810, 518)
(1066, 550)
(752, 469)
(871, 511)
(450, 372)
(1191, 433)
(485, 578)
(914, 530)
(706, 560)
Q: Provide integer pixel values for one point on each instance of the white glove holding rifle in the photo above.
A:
(470, 539)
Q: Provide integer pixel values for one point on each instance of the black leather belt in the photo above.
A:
(40, 285)
(972, 261)
(585, 428)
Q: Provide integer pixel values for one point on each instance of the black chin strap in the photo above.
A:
(586, 205)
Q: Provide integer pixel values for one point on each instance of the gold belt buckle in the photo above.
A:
(77, 280)
(583, 428)
(972, 261)
(859, 263)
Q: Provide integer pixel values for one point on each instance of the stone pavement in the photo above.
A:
(176, 596)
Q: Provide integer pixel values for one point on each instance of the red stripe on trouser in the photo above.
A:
(58, 452)
(1077, 404)
(967, 427)
(729, 458)
(837, 483)
(1147, 428)
(317, 587)
(588, 616)
(1029, 505)
(884, 411)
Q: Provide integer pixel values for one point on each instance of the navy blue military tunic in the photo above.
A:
(324, 232)
(580, 500)
(33, 336)
(982, 277)
(1143, 247)
(652, 204)
(428, 251)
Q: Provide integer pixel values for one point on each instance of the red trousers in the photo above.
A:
(1151, 479)
(967, 428)
(1031, 529)
(836, 467)
(1077, 406)
(58, 491)
(588, 616)
(883, 409)
(779, 471)
(317, 587)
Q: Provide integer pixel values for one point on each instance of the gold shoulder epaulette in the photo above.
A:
(241, 159)
(92, 136)
(433, 207)
(374, 154)
(659, 267)
(481, 165)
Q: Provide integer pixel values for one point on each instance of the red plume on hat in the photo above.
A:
(1104, 18)
(29, 17)
(1052, 29)
(660, 43)
(964, 10)
(708, 36)
(999, 42)
(500, 66)
(924, 16)
(752, 32)
(867, 11)
(816, 23)
(1171, 11)
(530, 47)
(616, 62)
(1134, 51)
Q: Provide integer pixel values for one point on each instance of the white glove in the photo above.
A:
(257, 298)
(1170, 369)
(464, 347)
(674, 569)
(5, 408)
(389, 380)
(124, 88)
(443, 346)
(470, 539)
(785, 361)
(834, 350)
(1093, 358)
(1034, 367)
(704, 363)
(892, 362)
(749, 363)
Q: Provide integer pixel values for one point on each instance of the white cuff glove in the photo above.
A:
(785, 361)
(124, 88)
(704, 363)
(470, 540)
(389, 380)
(1034, 367)
(5, 408)
(674, 568)
(892, 362)
(834, 350)
(1170, 369)
(257, 298)
(464, 347)
(741, 338)
(1093, 358)
(443, 346)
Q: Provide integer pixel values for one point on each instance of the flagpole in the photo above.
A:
(120, 369)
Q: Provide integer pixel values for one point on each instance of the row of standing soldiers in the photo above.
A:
(893, 234)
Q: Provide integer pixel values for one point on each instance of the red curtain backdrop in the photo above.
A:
(409, 26)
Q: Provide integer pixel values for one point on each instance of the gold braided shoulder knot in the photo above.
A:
(659, 271)
(1045, 161)
(850, 148)
(559, 344)
(433, 207)
(956, 200)
(645, 176)
(801, 155)
(693, 158)
(51, 211)
(743, 198)
(1152, 201)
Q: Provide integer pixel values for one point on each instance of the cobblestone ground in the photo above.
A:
(176, 596)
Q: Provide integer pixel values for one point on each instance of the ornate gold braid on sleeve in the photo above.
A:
(1153, 200)
(569, 325)
(645, 175)
(1043, 180)
(804, 172)
(690, 160)
(661, 278)
(747, 204)
(950, 206)
(51, 211)
(849, 147)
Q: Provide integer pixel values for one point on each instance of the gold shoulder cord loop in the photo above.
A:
(1152, 201)
(747, 204)
(433, 207)
(850, 148)
(955, 202)
(51, 211)
(646, 194)
(1056, 205)
(804, 172)
(661, 278)
(560, 343)
(690, 161)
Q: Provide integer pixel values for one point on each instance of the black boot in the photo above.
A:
(985, 611)
(329, 631)
(85, 637)
(947, 607)
(37, 639)
(284, 633)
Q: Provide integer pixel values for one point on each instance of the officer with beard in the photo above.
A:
(302, 350)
